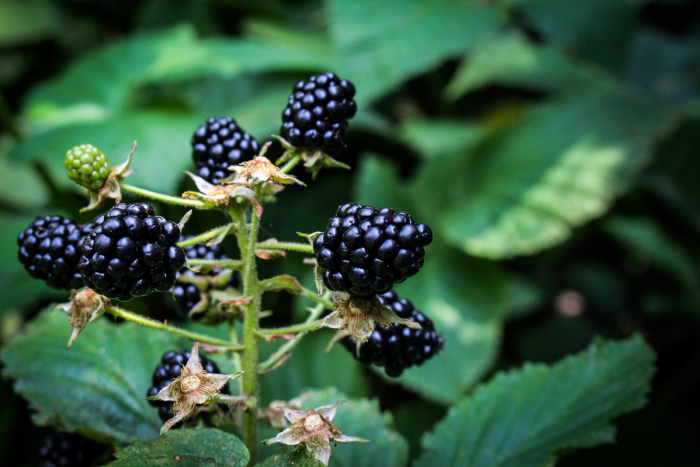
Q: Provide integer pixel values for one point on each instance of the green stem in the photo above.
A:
(287, 246)
(321, 300)
(286, 168)
(247, 238)
(271, 363)
(224, 263)
(161, 197)
(151, 323)
(293, 329)
(208, 235)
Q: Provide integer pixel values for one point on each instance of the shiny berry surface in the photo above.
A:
(365, 250)
(398, 347)
(131, 252)
(49, 249)
(317, 113)
(219, 143)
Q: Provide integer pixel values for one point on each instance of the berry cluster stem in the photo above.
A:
(151, 323)
(164, 198)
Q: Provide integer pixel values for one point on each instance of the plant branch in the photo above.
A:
(151, 323)
(164, 198)
(287, 246)
(293, 329)
(203, 237)
(270, 364)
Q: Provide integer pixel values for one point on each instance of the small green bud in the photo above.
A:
(87, 166)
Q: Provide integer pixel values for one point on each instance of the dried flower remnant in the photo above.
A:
(194, 386)
(315, 430)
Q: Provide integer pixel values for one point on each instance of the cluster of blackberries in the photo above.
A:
(365, 250)
(219, 143)
(398, 347)
(167, 370)
(50, 248)
(131, 252)
(317, 113)
(69, 449)
(187, 295)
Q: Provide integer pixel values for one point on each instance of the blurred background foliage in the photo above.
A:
(551, 145)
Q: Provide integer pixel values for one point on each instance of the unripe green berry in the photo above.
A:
(87, 166)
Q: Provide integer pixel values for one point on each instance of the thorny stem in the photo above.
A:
(293, 329)
(224, 263)
(151, 323)
(165, 198)
(208, 235)
(287, 246)
(247, 237)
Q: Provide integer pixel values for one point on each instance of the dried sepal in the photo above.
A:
(315, 430)
(274, 413)
(358, 316)
(194, 386)
(261, 170)
(314, 160)
(111, 187)
(217, 196)
(85, 306)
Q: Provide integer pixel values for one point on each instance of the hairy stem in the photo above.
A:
(161, 197)
(247, 235)
(203, 237)
(151, 323)
(287, 246)
(271, 363)
(293, 329)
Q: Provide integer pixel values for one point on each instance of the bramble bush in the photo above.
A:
(459, 248)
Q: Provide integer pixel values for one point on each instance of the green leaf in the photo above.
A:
(362, 418)
(435, 138)
(20, 186)
(186, 448)
(524, 417)
(301, 457)
(99, 385)
(23, 21)
(511, 60)
(525, 188)
(381, 44)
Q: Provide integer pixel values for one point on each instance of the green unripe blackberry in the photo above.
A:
(87, 166)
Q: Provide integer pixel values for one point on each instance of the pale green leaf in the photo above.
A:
(382, 44)
(99, 385)
(522, 418)
(24, 188)
(193, 447)
(435, 138)
(525, 188)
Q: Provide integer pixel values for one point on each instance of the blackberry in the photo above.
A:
(69, 449)
(131, 252)
(398, 347)
(317, 113)
(219, 143)
(87, 166)
(167, 370)
(366, 251)
(50, 248)
(188, 295)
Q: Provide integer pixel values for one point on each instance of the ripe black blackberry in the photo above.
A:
(49, 249)
(69, 449)
(317, 113)
(131, 252)
(188, 295)
(398, 347)
(366, 251)
(219, 143)
(167, 370)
